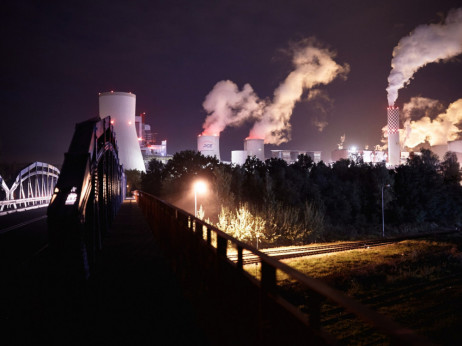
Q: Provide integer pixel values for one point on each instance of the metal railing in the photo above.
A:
(258, 308)
(86, 198)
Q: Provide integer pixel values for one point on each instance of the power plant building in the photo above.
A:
(209, 145)
(255, 147)
(291, 156)
(238, 157)
(120, 106)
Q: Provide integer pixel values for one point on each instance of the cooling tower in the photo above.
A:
(121, 107)
(255, 147)
(394, 148)
(209, 145)
(238, 157)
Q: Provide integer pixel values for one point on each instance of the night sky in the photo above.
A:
(57, 56)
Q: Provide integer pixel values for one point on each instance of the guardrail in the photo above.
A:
(255, 308)
(29, 203)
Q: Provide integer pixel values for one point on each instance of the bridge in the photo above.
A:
(118, 270)
(32, 188)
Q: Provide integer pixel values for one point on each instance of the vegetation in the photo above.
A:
(307, 202)
(416, 282)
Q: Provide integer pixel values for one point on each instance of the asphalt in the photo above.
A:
(133, 298)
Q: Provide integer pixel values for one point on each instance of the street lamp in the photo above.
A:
(199, 187)
(383, 213)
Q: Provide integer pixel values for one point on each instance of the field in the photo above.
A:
(418, 283)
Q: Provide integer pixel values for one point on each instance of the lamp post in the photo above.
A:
(199, 187)
(383, 213)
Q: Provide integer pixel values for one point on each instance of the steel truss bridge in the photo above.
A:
(87, 196)
(32, 188)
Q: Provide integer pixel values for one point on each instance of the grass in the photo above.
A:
(418, 283)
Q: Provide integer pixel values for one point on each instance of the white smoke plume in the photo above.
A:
(227, 106)
(313, 66)
(445, 127)
(426, 44)
(322, 104)
(425, 120)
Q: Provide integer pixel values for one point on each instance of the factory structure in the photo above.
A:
(147, 142)
(395, 155)
(136, 143)
(209, 145)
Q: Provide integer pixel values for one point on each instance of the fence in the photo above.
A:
(252, 309)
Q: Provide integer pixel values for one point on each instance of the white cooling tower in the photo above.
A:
(238, 157)
(121, 107)
(255, 147)
(209, 145)
(394, 147)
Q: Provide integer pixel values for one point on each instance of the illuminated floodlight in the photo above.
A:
(200, 187)
(71, 197)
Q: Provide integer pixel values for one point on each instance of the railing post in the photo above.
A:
(240, 260)
(268, 277)
(314, 310)
(222, 245)
(209, 236)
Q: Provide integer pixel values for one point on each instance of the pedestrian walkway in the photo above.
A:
(133, 298)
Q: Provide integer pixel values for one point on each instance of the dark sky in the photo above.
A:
(57, 56)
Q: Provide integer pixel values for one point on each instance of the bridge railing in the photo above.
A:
(254, 307)
(86, 198)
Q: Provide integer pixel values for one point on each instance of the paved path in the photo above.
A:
(133, 298)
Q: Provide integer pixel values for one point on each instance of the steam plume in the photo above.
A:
(313, 66)
(426, 44)
(425, 120)
(227, 106)
(437, 131)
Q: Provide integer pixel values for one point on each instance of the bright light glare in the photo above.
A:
(200, 187)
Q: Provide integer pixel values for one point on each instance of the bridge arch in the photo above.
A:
(33, 186)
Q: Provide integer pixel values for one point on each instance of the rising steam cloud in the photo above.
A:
(227, 106)
(436, 130)
(426, 120)
(426, 44)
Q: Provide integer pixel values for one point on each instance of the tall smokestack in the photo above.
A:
(209, 145)
(394, 149)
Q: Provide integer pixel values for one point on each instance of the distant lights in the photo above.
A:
(129, 122)
(112, 122)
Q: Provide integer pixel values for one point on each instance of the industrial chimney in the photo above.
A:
(120, 106)
(209, 145)
(394, 148)
(255, 147)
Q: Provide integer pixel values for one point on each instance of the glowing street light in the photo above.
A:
(200, 187)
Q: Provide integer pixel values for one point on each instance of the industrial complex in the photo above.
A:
(137, 143)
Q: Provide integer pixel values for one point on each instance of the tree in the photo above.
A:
(133, 180)
(151, 181)
(450, 168)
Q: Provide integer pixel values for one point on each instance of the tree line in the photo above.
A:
(275, 203)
